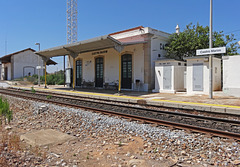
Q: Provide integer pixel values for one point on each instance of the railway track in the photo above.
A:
(190, 122)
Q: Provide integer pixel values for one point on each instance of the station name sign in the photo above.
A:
(99, 52)
(209, 51)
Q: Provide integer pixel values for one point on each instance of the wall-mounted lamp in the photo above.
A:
(88, 62)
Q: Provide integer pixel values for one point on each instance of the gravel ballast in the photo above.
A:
(112, 141)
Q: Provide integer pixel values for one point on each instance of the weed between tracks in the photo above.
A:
(11, 148)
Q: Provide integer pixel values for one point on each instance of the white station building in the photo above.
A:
(126, 57)
(21, 63)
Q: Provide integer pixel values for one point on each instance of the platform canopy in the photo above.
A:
(90, 45)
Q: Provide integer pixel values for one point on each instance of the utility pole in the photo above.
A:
(210, 56)
(38, 64)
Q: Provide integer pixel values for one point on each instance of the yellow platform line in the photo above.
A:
(194, 103)
(85, 93)
(133, 97)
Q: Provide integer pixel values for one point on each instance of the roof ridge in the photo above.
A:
(11, 54)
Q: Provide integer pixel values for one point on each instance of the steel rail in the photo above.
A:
(213, 132)
(58, 95)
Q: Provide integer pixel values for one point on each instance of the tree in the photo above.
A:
(196, 37)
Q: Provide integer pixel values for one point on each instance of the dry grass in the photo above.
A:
(9, 146)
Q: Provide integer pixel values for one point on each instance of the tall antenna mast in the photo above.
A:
(71, 28)
(71, 21)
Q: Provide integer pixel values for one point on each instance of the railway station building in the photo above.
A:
(21, 63)
(123, 60)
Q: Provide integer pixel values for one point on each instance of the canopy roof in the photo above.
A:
(90, 45)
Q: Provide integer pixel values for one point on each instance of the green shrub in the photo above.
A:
(49, 96)
(5, 113)
(33, 90)
(56, 78)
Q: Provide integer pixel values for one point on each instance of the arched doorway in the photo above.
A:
(99, 72)
(126, 80)
(78, 72)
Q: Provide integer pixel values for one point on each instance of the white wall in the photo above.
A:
(231, 75)
(25, 60)
(157, 51)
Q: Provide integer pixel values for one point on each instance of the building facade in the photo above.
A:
(20, 64)
(100, 69)
(123, 59)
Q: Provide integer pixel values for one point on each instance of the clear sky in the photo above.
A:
(25, 22)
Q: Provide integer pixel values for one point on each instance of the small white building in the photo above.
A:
(231, 75)
(20, 64)
(126, 56)
(169, 76)
(197, 81)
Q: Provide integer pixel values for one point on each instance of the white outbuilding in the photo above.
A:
(21, 63)
(169, 76)
(197, 81)
(231, 75)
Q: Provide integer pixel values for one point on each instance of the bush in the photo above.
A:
(56, 78)
(33, 90)
(5, 113)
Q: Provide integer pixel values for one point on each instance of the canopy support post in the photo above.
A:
(119, 80)
(119, 48)
(74, 76)
(45, 75)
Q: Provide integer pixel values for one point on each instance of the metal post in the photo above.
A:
(74, 68)
(64, 70)
(119, 80)
(210, 56)
(38, 64)
(45, 75)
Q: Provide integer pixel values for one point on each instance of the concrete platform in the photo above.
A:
(45, 138)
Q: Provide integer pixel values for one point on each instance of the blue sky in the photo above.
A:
(25, 22)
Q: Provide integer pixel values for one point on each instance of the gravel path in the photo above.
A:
(111, 141)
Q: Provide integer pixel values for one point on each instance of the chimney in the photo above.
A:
(177, 29)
